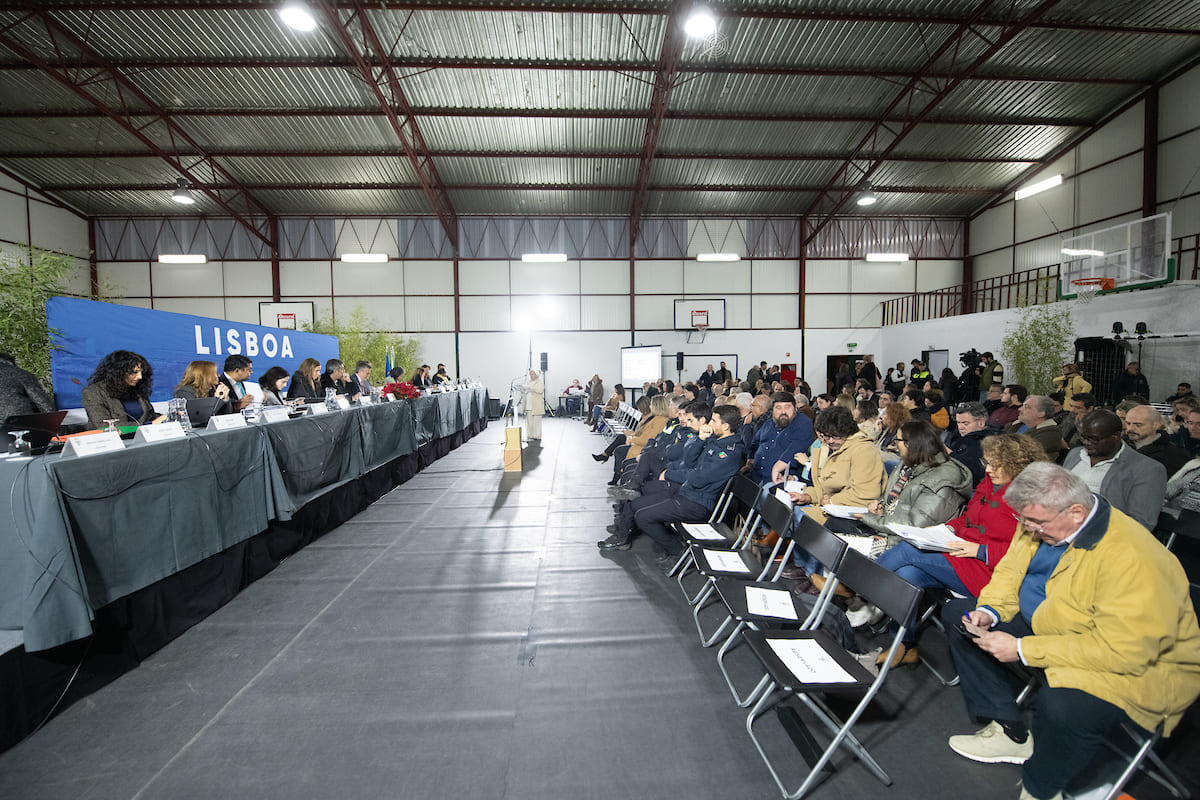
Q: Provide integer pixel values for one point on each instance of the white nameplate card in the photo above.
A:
(343, 402)
(316, 409)
(91, 445)
(702, 530)
(725, 562)
(389, 398)
(364, 400)
(162, 432)
(226, 422)
(770, 602)
(808, 661)
(275, 414)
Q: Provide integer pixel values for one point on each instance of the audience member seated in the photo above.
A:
(20, 391)
(238, 368)
(891, 417)
(334, 378)
(200, 380)
(991, 398)
(1183, 489)
(985, 531)
(866, 416)
(752, 424)
(1124, 477)
(609, 408)
(786, 432)
(914, 401)
(119, 389)
(1188, 435)
(711, 465)
(965, 445)
(939, 417)
(652, 425)
(804, 406)
(823, 401)
(1034, 419)
(652, 459)
(619, 441)
(274, 383)
(1060, 413)
(306, 381)
(1072, 382)
(1080, 406)
(847, 470)
(1184, 389)
(1095, 602)
(1011, 398)
(1144, 430)
(1130, 382)
(1125, 406)
(1180, 410)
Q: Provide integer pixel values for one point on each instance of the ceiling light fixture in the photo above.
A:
(1040, 186)
(181, 194)
(718, 257)
(700, 24)
(867, 198)
(364, 258)
(544, 258)
(181, 258)
(296, 15)
(899, 258)
(1069, 251)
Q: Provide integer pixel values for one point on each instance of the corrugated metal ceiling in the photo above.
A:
(547, 109)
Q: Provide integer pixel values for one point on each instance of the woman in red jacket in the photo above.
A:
(985, 532)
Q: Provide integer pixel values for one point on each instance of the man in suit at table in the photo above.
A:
(362, 378)
(238, 368)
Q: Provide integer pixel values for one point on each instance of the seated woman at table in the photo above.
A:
(609, 408)
(306, 381)
(274, 383)
(985, 532)
(200, 380)
(120, 389)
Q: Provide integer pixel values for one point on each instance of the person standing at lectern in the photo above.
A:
(535, 406)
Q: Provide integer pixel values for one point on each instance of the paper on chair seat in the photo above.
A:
(808, 661)
(702, 530)
(770, 602)
(725, 562)
(843, 512)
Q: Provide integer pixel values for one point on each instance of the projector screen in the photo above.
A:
(640, 364)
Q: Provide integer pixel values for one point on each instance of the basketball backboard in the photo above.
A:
(1132, 255)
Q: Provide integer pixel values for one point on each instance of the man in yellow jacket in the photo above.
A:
(1088, 595)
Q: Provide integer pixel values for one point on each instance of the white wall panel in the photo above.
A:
(776, 310)
(1038, 253)
(428, 314)
(829, 311)
(869, 276)
(992, 229)
(737, 311)
(1110, 190)
(364, 279)
(201, 307)
(938, 274)
(994, 264)
(367, 236)
(12, 218)
(655, 312)
(658, 276)
(79, 279)
(127, 278)
(322, 306)
(484, 313)
(9, 183)
(545, 278)
(716, 236)
(247, 277)
(187, 280)
(135, 302)
(546, 313)
(1120, 137)
(429, 277)
(775, 277)
(1178, 110)
(866, 310)
(1046, 212)
(1178, 160)
(604, 277)
(1185, 216)
(383, 313)
(600, 312)
(244, 309)
(483, 277)
(826, 275)
(301, 278)
(707, 277)
(54, 228)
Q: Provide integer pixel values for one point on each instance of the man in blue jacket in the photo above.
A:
(788, 432)
(704, 474)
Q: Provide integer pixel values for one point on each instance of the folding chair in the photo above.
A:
(716, 533)
(898, 599)
(775, 515)
(932, 616)
(809, 535)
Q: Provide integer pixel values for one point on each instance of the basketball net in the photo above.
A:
(1086, 289)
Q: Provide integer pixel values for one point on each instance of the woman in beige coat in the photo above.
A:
(535, 406)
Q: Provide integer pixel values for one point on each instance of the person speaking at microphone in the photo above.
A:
(120, 389)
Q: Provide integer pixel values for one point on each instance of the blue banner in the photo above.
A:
(88, 331)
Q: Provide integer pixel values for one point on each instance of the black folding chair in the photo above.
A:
(898, 599)
(716, 533)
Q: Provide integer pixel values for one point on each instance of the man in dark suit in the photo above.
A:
(362, 378)
(238, 368)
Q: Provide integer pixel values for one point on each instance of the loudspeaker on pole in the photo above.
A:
(679, 361)
(545, 361)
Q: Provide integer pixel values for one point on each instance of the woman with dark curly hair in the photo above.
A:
(120, 389)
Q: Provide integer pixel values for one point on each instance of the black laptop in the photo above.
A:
(201, 409)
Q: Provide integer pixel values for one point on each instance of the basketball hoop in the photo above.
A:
(1086, 289)
(698, 336)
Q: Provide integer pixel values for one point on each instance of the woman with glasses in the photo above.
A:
(985, 532)
(847, 469)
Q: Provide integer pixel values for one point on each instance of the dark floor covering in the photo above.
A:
(464, 638)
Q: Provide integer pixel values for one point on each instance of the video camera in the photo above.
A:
(970, 359)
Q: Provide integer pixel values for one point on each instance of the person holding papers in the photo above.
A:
(984, 532)
(238, 368)
(120, 389)
(847, 470)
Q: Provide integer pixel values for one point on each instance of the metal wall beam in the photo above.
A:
(358, 38)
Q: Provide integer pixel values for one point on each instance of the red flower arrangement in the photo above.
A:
(401, 389)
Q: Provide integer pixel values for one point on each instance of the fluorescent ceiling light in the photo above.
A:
(700, 24)
(297, 16)
(544, 258)
(899, 258)
(867, 198)
(718, 257)
(365, 258)
(1040, 186)
(1067, 251)
(181, 258)
(181, 193)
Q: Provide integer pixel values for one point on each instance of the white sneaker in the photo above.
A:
(863, 613)
(991, 745)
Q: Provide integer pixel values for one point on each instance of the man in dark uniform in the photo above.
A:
(710, 466)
